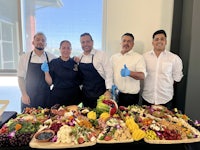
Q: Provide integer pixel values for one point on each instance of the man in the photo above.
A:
(96, 72)
(128, 69)
(35, 91)
(163, 68)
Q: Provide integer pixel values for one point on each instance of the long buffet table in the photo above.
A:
(99, 146)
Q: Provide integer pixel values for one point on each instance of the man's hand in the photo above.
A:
(45, 67)
(125, 71)
(107, 94)
(26, 99)
(114, 87)
(76, 59)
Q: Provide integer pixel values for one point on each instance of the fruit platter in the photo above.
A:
(68, 127)
(163, 126)
(78, 126)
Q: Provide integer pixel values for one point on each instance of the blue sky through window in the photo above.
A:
(71, 20)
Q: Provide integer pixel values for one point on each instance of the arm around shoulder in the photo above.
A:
(140, 72)
(137, 75)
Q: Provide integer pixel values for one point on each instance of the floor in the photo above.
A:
(9, 90)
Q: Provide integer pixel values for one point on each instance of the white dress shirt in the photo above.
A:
(134, 62)
(23, 62)
(162, 71)
(101, 64)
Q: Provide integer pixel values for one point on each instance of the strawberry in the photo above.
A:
(81, 140)
(108, 138)
(122, 108)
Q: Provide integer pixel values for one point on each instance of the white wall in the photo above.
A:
(140, 17)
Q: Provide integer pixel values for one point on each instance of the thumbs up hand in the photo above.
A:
(125, 71)
(45, 67)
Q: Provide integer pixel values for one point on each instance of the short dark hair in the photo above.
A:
(40, 33)
(64, 42)
(128, 34)
(86, 34)
(159, 32)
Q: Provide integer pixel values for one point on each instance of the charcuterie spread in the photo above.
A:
(78, 126)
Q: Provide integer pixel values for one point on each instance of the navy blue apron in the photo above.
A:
(93, 84)
(36, 86)
(66, 90)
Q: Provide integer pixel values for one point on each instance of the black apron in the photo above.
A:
(93, 84)
(36, 86)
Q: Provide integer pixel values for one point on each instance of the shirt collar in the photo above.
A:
(91, 53)
(129, 52)
(153, 53)
(34, 54)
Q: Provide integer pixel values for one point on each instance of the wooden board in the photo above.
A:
(172, 141)
(52, 145)
(114, 141)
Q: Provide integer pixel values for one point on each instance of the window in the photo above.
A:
(58, 19)
(9, 45)
(66, 20)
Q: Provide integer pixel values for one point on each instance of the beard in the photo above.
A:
(39, 48)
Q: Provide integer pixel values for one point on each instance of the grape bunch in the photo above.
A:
(55, 126)
(170, 135)
(21, 139)
(4, 140)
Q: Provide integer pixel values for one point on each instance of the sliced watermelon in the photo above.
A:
(113, 111)
(110, 103)
(101, 107)
(106, 105)
(113, 106)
